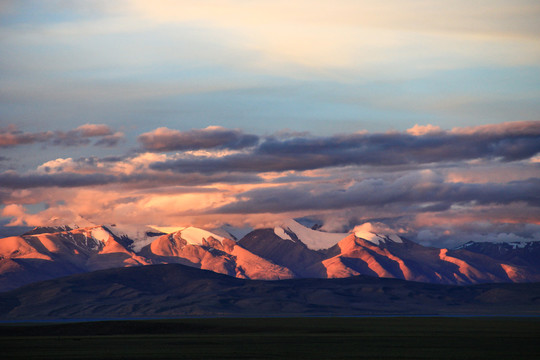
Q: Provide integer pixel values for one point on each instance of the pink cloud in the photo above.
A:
(90, 130)
(11, 136)
(212, 137)
(419, 130)
(507, 128)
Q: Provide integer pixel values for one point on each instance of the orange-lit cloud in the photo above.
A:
(418, 130)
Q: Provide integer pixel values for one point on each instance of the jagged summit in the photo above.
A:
(49, 229)
(315, 239)
(371, 233)
(138, 236)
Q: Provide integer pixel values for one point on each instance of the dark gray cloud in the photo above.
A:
(109, 140)
(416, 192)
(215, 137)
(13, 180)
(168, 190)
(389, 149)
(82, 135)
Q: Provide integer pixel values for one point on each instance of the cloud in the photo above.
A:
(110, 140)
(129, 171)
(14, 180)
(212, 137)
(419, 192)
(427, 183)
(419, 130)
(453, 233)
(506, 129)
(10, 136)
(507, 142)
(89, 130)
(115, 205)
(82, 135)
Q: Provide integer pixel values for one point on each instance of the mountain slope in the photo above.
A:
(40, 255)
(203, 249)
(517, 253)
(383, 255)
(292, 254)
(406, 260)
(177, 290)
(47, 253)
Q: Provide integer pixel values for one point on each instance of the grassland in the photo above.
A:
(277, 338)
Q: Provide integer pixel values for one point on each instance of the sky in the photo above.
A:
(418, 116)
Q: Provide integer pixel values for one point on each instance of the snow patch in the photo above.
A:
(466, 245)
(100, 234)
(282, 234)
(232, 232)
(518, 244)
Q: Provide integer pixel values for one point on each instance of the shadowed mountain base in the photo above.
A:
(175, 290)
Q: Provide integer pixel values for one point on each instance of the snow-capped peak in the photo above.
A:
(318, 240)
(141, 235)
(313, 239)
(367, 232)
(195, 236)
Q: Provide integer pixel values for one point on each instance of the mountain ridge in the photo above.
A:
(291, 250)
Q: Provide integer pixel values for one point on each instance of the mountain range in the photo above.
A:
(288, 251)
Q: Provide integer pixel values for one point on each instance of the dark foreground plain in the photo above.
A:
(277, 338)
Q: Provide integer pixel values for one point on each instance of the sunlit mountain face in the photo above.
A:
(402, 137)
